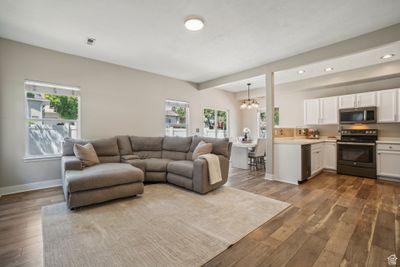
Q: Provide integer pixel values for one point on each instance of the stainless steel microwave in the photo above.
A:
(357, 115)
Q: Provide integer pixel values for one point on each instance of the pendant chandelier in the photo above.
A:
(249, 103)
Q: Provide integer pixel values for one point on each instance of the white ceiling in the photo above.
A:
(354, 61)
(150, 35)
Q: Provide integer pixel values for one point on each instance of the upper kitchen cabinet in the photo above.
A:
(357, 100)
(311, 112)
(366, 100)
(347, 101)
(387, 105)
(329, 110)
(398, 105)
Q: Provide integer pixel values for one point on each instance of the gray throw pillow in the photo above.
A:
(201, 149)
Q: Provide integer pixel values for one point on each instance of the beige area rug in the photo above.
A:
(166, 226)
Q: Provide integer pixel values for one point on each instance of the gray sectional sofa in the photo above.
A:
(126, 162)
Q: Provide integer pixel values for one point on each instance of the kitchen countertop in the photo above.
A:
(292, 141)
(389, 141)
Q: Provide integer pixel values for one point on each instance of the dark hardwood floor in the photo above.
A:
(334, 220)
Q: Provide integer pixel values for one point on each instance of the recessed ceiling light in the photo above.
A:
(301, 71)
(328, 69)
(90, 41)
(194, 23)
(387, 56)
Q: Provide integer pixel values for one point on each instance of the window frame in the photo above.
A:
(28, 157)
(259, 111)
(187, 115)
(216, 121)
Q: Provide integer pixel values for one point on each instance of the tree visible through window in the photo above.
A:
(52, 113)
(176, 118)
(215, 123)
(262, 122)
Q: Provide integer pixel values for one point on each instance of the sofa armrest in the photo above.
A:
(201, 182)
(69, 163)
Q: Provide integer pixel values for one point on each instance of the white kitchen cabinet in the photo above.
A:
(311, 112)
(330, 154)
(398, 105)
(328, 110)
(387, 105)
(366, 99)
(317, 158)
(388, 160)
(347, 101)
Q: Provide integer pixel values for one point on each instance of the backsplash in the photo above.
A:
(385, 130)
(290, 132)
(283, 132)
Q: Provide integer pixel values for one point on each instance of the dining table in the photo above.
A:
(240, 154)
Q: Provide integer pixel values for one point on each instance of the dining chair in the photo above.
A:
(257, 156)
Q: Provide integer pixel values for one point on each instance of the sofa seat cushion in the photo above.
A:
(102, 175)
(156, 165)
(181, 167)
(138, 163)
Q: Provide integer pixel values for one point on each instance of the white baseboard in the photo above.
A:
(391, 179)
(7, 190)
(271, 177)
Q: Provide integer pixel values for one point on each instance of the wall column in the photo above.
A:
(269, 109)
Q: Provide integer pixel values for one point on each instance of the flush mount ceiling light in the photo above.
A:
(301, 71)
(194, 23)
(387, 56)
(249, 103)
(328, 69)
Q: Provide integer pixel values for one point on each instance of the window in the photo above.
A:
(215, 123)
(262, 122)
(52, 113)
(176, 118)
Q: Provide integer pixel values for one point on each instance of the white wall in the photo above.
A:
(249, 118)
(114, 99)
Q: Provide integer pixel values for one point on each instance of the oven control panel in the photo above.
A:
(359, 132)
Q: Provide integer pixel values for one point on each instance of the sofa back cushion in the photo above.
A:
(124, 145)
(146, 147)
(221, 146)
(175, 147)
(106, 149)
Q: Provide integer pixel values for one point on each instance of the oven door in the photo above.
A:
(356, 154)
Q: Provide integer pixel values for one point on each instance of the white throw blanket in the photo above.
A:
(214, 169)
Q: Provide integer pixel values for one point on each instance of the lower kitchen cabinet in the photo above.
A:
(388, 160)
(317, 158)
(330, 155)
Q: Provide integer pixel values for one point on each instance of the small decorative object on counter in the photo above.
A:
(316, 134)
(247, 137)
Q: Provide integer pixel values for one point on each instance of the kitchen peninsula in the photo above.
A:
(297, 160)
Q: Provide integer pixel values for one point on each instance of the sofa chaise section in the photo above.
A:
(108, 180)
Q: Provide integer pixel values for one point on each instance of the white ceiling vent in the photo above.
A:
(90, 41)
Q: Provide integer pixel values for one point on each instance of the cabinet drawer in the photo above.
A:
(390, 147)
(316, 146)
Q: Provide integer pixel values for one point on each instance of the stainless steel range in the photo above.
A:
(356, 152)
